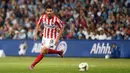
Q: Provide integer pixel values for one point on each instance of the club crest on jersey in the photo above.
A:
(50, 26)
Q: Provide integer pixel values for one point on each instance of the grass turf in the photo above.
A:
(63, 65)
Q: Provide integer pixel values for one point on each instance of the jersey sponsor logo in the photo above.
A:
(62, 46)
(52, 26)
(101, 48)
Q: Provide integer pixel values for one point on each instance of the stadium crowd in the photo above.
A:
(83, 19)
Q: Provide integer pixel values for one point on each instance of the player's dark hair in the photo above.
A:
(48, 7)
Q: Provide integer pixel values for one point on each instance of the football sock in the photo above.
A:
(38, 59)
(51, 51)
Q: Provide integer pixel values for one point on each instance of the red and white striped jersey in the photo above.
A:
(50, 26)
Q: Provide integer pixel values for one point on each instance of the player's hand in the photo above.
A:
(35, 37)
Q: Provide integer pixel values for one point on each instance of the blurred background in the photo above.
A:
(86, 22)
(96, 32)
(83, 19)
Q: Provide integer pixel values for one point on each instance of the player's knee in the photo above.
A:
(44, 51)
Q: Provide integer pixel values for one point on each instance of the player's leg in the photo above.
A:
(42, 53)
(51, 49)
(45, 50)
(39, 57)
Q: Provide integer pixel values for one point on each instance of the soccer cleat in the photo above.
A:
(31, 67)
(61, 53)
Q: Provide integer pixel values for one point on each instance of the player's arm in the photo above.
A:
(60, 32)
(37, 28)
(36, 31)
(61, 29)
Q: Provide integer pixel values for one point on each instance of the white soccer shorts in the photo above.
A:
(49, 43)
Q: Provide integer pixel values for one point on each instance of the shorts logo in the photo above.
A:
(62, 46)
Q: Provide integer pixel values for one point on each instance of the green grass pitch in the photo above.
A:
(63, 65)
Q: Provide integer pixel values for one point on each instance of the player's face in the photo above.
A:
(49, 12)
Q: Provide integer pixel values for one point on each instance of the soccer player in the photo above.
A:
(53, 29)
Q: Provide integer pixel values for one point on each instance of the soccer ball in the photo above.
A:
(107, 57)
(83, 66)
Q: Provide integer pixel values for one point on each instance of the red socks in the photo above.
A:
(38, 59)
(40, 56)
(51, 51)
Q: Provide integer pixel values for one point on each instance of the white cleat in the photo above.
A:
(31, 67)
